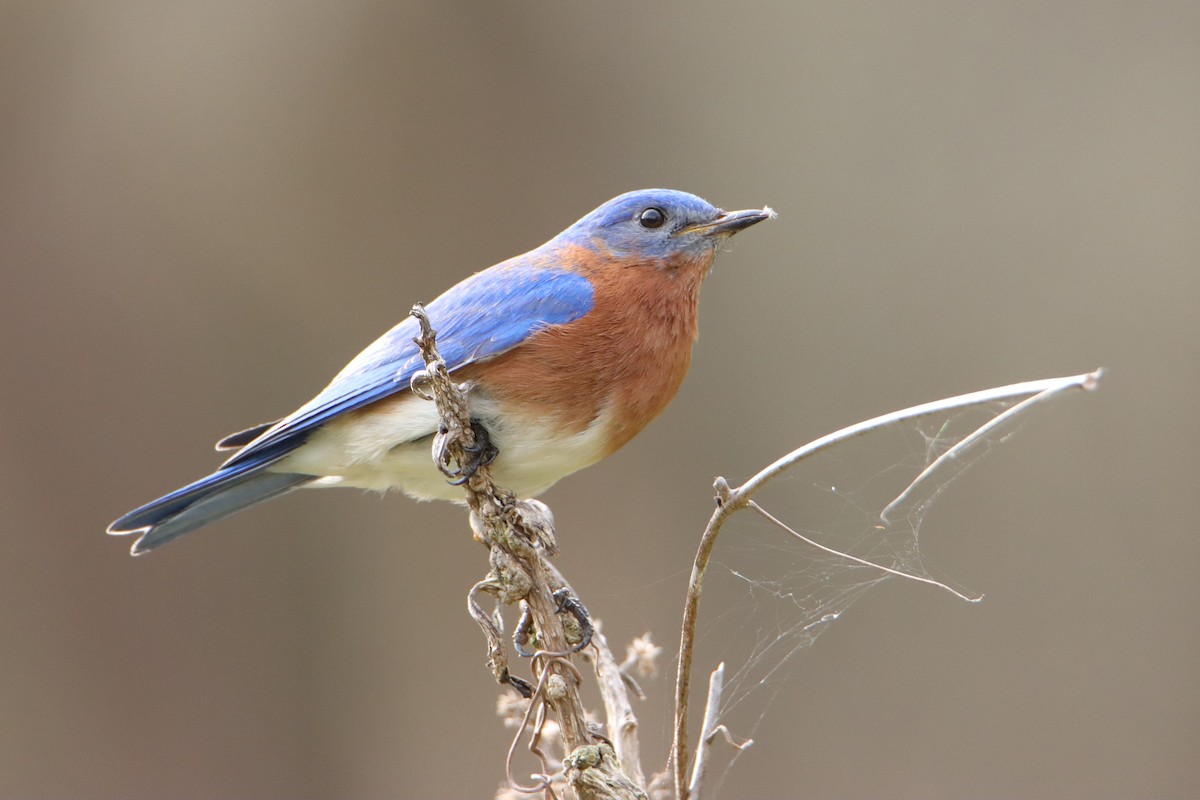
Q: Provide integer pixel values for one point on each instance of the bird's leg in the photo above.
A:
(480, 454)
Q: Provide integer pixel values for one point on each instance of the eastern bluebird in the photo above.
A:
(569, 351)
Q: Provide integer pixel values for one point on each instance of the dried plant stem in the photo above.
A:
(710, 729)
(518, 533)
(620, 720)
(731, 500)
(622, 723)
(726, 505)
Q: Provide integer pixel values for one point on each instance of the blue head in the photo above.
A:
(658, 225)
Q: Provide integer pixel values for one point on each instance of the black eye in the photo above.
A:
(652, 218)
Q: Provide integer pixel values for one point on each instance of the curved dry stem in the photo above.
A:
(1044, 388)
(862, 561)
(731, 500)
(976, 436)
(727, 504)
(519, 534)
(536, 703)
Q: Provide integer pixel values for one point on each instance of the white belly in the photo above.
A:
(391, 449)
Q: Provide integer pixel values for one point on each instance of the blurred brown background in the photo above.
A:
(207, 208)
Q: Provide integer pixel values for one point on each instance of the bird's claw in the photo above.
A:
(480, 454)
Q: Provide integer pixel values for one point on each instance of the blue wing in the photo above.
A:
(484, 316)
(481, 317)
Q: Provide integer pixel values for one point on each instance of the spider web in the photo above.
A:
(835, 525)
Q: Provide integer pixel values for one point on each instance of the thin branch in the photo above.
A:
(970, 440)
(1047, 388)
(691, 609)
(730, 500)
(618, 711)
(709, 730)
(538, 706)
(518, 534)
(898, 573)
(621, 722)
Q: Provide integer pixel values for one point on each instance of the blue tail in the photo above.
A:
(226, 491)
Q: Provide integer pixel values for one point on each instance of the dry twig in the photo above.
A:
(731, 500)
(519, 533)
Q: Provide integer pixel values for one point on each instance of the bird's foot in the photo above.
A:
(480, 454)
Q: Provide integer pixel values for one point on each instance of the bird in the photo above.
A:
(568, 351)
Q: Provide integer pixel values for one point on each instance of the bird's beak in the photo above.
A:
(729, 222)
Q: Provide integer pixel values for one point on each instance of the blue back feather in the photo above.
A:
(484, 316)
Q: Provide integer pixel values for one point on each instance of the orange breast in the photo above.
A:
(629, 354)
